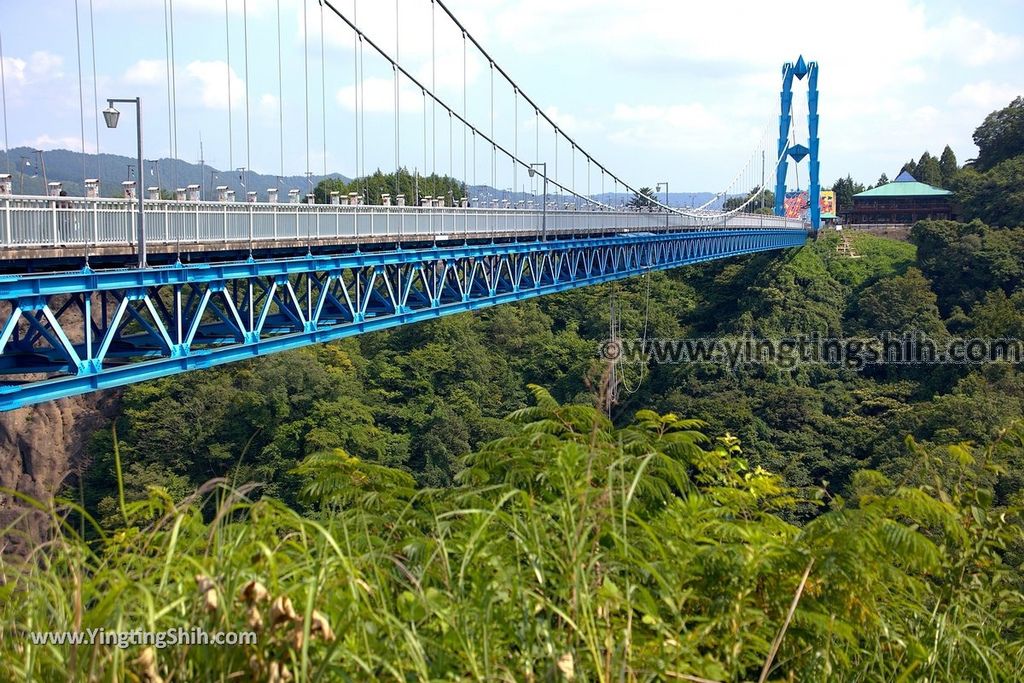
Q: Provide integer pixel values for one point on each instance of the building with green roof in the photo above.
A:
(904, 201)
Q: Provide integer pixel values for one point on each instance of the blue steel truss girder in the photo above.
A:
(110, 328)
(18, 286)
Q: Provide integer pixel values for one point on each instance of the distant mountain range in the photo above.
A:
(69, 168)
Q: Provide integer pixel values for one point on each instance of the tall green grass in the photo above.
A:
(569, 551)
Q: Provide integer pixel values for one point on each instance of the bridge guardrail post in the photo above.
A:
(53, 214)
(7, 222)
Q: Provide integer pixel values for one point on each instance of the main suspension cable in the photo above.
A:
(399, 69)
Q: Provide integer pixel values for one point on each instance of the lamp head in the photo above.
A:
(532, 172)
(111, 115)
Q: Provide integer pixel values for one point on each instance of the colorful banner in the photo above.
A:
(796, 205)
(828, 204)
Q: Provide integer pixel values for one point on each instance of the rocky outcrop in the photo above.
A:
(42, 446)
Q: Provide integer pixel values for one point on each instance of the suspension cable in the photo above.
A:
(248, 146)
(398, 120)
(465, 155)
(280, 92)
(95, 88)
(323, 86)
(433, 86)
(305, 78)
(174, 93)
(167, 68)
(227, 41)
(355, 88)
(81, 97)
(3, 92)
(493, 149)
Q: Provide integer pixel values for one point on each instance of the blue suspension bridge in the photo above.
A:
(98, 293)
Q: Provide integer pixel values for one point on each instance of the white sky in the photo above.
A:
(655, 89)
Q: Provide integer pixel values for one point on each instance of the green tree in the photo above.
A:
(764, 198)
(910, 167)
(948, 167)
(413, 186)
(994, 196)
(845, 188)
(1001, 135)
(643, 198)
(882, 180)
(928, 170)
(967, 260)
(900, 304)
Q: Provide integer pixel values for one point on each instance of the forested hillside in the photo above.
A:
(421, 397)
(444, 501)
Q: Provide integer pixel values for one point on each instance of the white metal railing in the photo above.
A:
(70, 221)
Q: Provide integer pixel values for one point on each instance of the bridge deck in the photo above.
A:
(65, 229)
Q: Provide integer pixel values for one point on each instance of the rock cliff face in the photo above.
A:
(40, 446)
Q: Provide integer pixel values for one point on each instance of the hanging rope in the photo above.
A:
(515, 140)
(81, 96)
(323, 85)
(280, 91)
(355, 87)
(424, 92)
(167, 67)
(3, 92)
(433, 87)
(398, 129)
(95, 88)
(362, 116)
(465, 155)
(494, 150)
(227, 41)
(174, 111)
(305, 78)
(248, 146)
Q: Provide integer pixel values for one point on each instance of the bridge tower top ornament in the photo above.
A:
(797, 151)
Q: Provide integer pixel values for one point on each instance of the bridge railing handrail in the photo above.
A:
(33, 221)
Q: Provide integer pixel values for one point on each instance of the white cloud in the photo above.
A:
(974, 44)
(687, 127)
(377, 95)
(212, 78)
(986, 95)
(71, 142)
(146, 72)
(268, 103)
(41, 66)
(45, 65)
(14, 70)
(571, 124)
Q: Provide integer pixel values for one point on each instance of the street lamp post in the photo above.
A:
(111, 116)
(544, 210)
(666, 200)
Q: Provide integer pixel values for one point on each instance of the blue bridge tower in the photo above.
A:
(797, 151)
